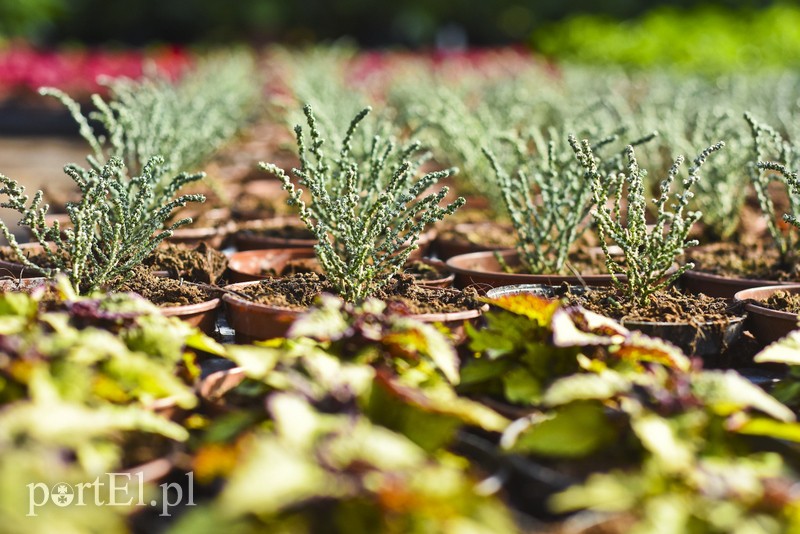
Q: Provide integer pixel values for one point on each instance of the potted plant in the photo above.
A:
(367, 215)
(548, 199)
(118, 222)
(727, 267)
(699, 324)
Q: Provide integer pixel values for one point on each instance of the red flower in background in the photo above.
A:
(23, 69)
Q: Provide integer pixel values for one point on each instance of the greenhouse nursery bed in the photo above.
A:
(166, 367)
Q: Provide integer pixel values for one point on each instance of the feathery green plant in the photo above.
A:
(769, 145)
(649, 254)
(366, 214)
(548, 198)
(113, 227)
(184, 122)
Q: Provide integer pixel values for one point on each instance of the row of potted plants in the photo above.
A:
(540, 397)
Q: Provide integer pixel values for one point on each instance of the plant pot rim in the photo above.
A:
(747, 296)
(188, 309)
(459, 265)
(735, 280)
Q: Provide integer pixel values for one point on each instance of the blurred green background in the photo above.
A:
(369, 23)
(712, 36)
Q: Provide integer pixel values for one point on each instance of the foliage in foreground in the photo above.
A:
(367, 214)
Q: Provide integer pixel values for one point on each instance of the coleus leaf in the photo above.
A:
(571, 431)
(586, 386)
(576, 327)
(641, 348)
(764, 426)
(727, 392)
(538, 309)
(786, 350)
(426, 339)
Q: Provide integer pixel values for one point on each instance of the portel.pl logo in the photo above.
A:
(111, 489)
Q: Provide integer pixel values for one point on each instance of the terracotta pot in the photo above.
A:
(766, 324)
(715, 285)
(258, 322)
(706, 340)
(214, 234)
(447, 246)
(202, 315)
(482, 271)
(445, 279)
(248, 265)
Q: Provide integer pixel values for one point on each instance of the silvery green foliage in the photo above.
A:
(721, 194)
(649, 253)
(770, 145)
(114, 227)
(184, 122)
(547, 197)
(366, 214)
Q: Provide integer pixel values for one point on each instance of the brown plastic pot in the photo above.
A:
(202, 315)
(706, 340)
(483, 271)
(249, 265)
(766, 324)
(213, 235)
(247, 236)
(258, 322)
(715, 285)
(448, 246)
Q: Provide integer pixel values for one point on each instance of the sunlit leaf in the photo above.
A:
(641, 348)
(586, 387)
(660, 440)
(571, 431)
(579, 328)
(762, 426)
(727, 392)
(538, 309)
(785, 350)
(428, 340)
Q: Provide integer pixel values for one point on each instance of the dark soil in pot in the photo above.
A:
(772, 310)
(201, 263)
(402, 294)
(742, 261)
(166, 292)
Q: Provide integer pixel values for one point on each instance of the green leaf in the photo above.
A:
(727, 392)
(586, 387)
(520, 387)
(762, 426)
(659, 438)
(425, 338)
(786, 350)
(571, 431)
(257, 361)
